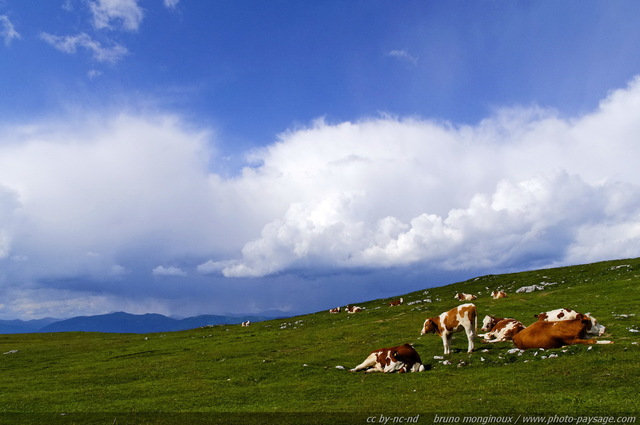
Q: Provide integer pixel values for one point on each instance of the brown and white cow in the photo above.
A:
(464, 317)
(247, 323)
(402, 359)
(353, 309)
(498, 294)
(568, 314)
(395, 303)
(335, 310)
(498, 329)
(464, 297)
(546, 335)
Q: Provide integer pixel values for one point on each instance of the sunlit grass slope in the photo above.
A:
(291, 365)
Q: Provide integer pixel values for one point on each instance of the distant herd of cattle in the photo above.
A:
(553, 329)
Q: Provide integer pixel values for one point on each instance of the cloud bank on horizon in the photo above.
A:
(522, 188)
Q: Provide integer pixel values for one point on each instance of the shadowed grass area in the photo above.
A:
(290, 365)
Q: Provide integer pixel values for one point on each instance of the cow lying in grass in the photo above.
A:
(499, 330)
(464, 297)
(568, 314)
(546, 335)
(402, 359)
(396, 303)
(496, 295)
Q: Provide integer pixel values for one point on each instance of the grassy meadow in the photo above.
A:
(290, 368)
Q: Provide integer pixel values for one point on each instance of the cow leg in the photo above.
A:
(584, 341)
(446, 341)
(394, 366)
(488, 337)
(590, 341)
(471, 336)
(418, 367)
(368, 363)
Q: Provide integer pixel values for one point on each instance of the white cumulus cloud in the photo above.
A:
(171, 3)
(70, 44)
(116, 14)
(7, 30)
(403, 55)
(168, 271)
(122, 188)
(117, 196)
(522, 187)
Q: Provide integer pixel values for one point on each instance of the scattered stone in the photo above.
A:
(619, 267)
(530, 288)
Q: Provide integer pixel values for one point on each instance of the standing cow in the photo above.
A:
(464, 317)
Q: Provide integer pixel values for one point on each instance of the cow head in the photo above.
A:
(586, 324)
(596, 328)
(488, 323)
(429, 326)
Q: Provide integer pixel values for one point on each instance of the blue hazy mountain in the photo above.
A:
(24, 326)
(121, 322)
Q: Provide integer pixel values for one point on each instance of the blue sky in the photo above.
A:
(188, 157)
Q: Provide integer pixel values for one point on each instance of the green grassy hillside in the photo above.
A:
(292, 365)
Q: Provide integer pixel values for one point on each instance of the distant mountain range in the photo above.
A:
(127, 323)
